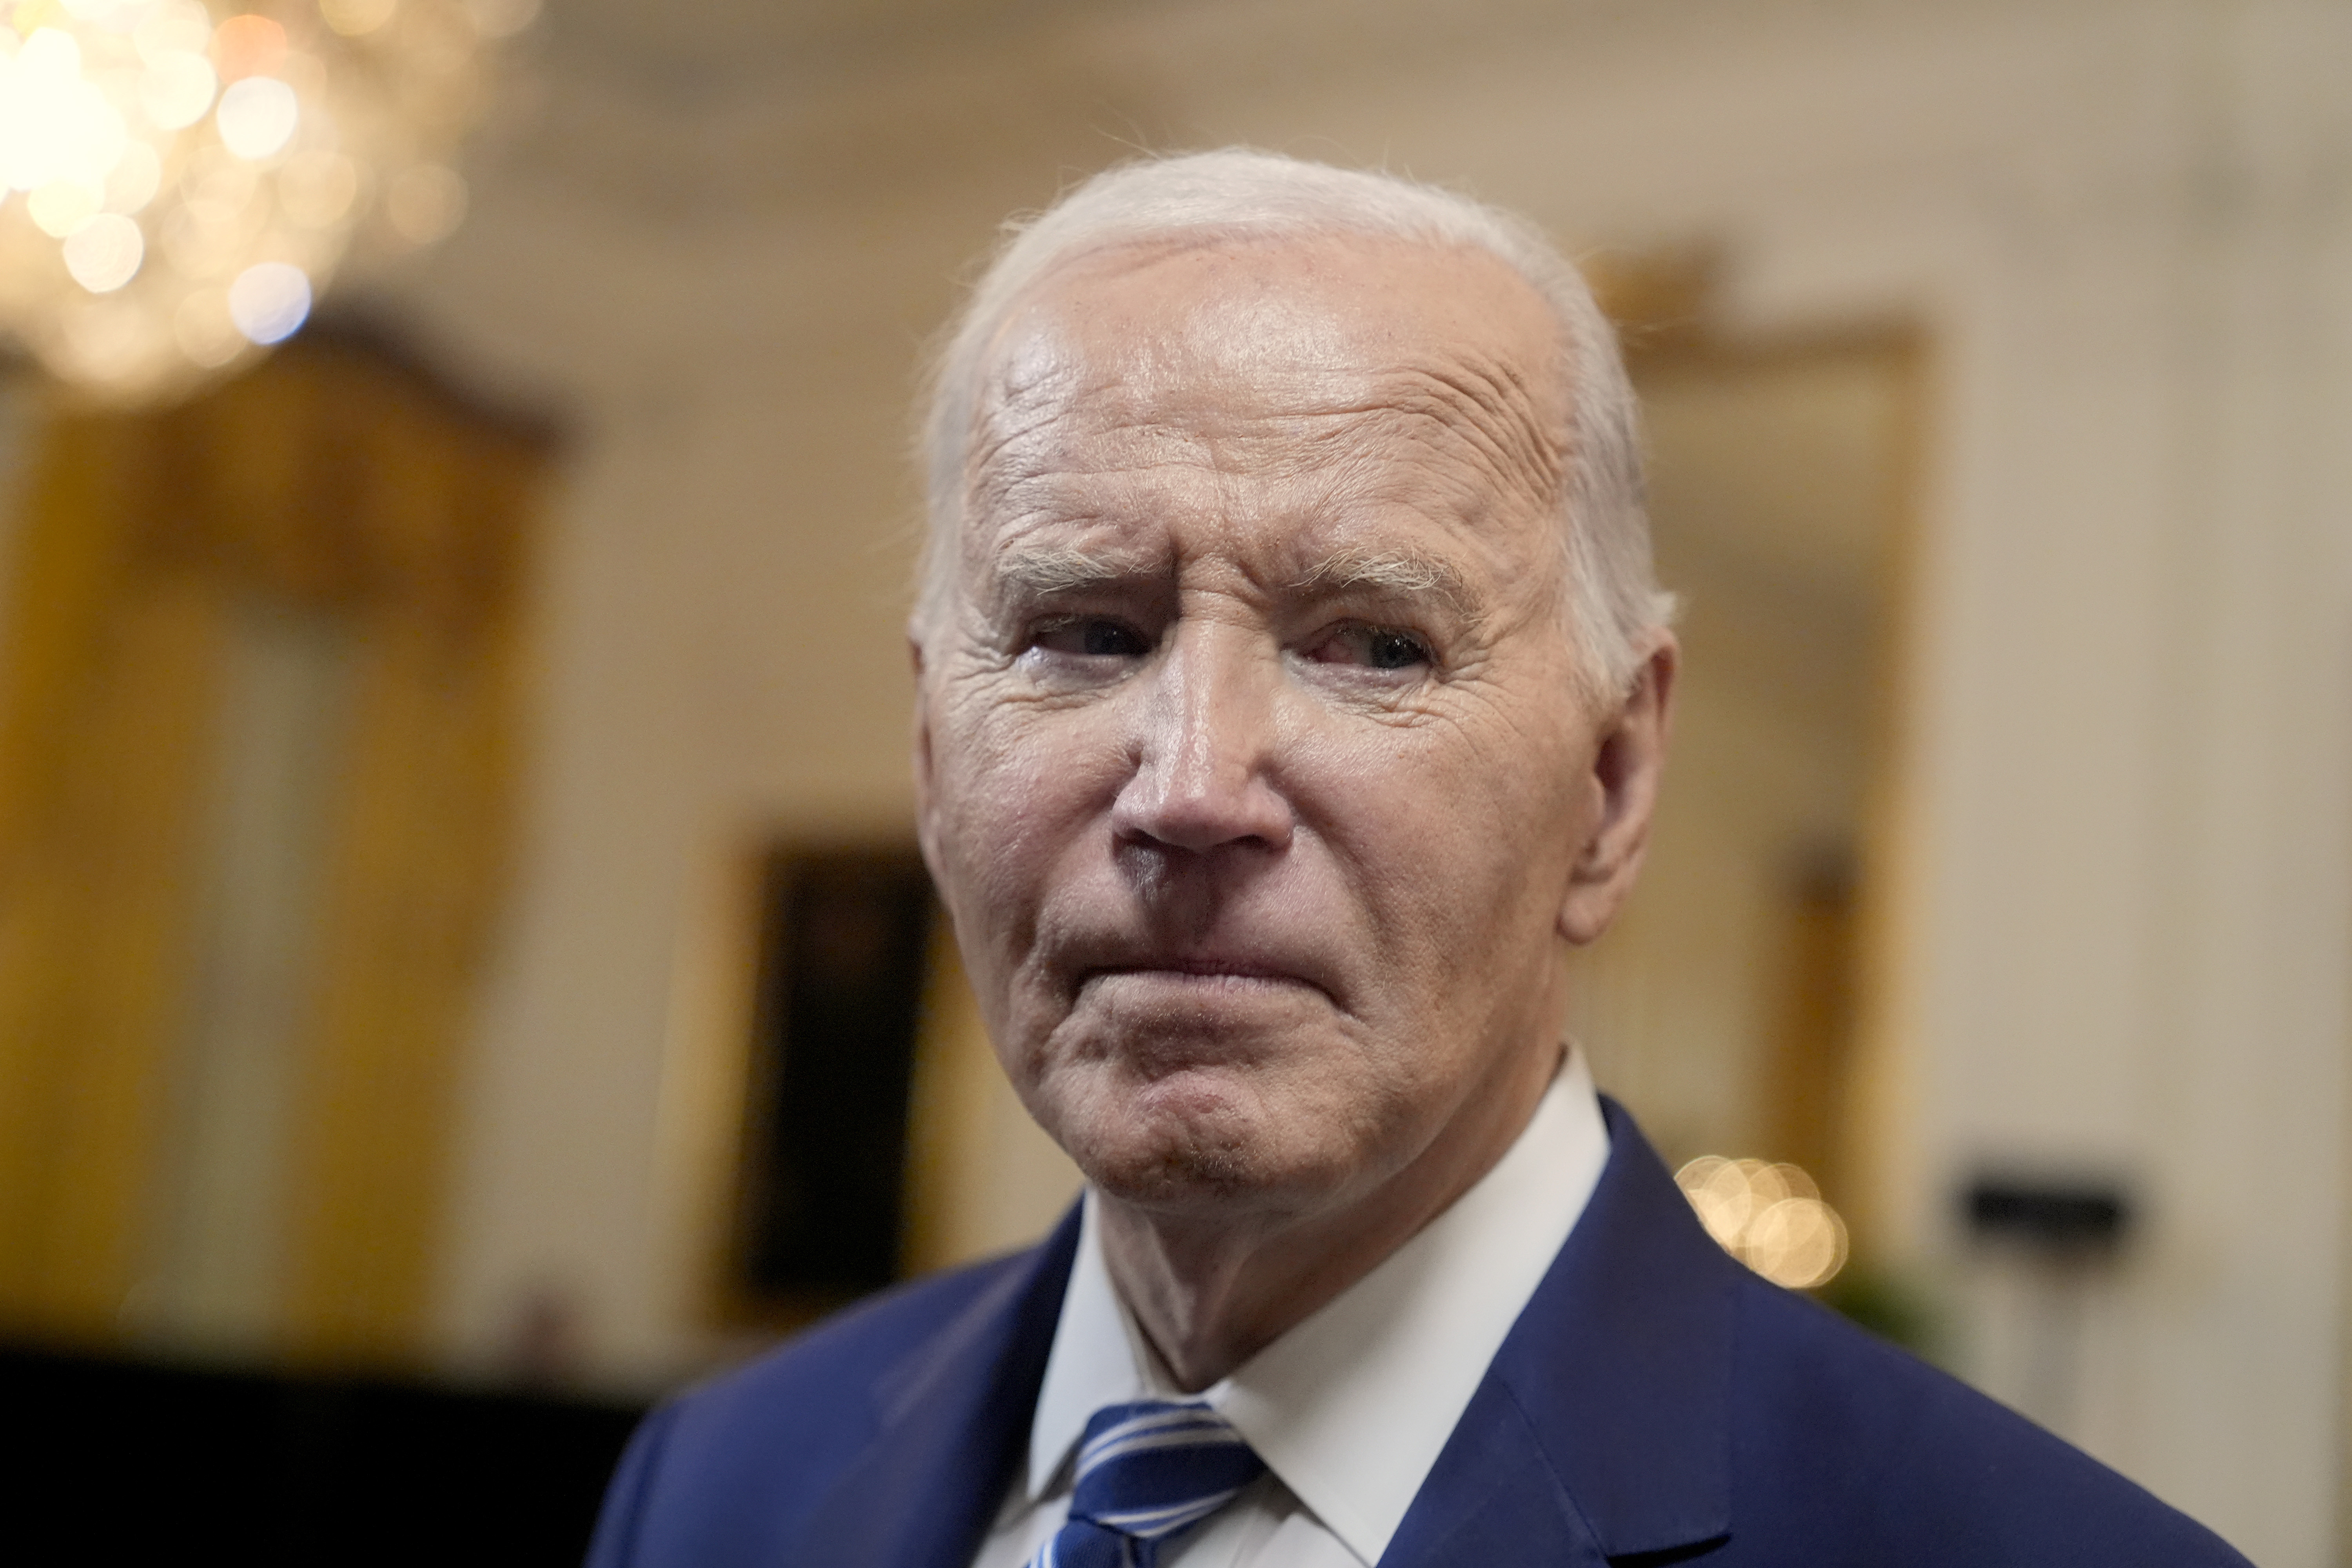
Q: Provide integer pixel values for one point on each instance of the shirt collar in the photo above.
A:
(1350, 1408)
(1094, 1361)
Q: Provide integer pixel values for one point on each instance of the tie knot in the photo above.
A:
(1149, 1470)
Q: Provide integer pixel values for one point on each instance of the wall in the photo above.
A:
(2121, 848)
(1780, 487)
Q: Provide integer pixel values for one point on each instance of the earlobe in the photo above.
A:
(1628, 759)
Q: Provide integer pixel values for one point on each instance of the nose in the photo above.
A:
(1203, 742)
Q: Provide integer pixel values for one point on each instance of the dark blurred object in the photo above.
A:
(2051, 1247)
(2071, 1218)
(841, 991)
(123, 1462)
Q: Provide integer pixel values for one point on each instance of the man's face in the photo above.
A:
(1252, 764)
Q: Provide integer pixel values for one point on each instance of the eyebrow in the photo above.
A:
(1046, 573)
(1054, 571)
(1380, 571)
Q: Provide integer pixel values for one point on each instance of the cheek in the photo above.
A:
(1458, 857)
(1015, 802)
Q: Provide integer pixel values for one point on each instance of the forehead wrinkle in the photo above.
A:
(1483, 411)
(1471, 413)
(1455, 430)
(1378, 453)
(1023, 455)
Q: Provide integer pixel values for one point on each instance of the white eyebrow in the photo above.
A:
(1050, 571)
(1045, 572)
(1405, 575)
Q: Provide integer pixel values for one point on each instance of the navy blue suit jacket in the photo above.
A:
(1656, 1403)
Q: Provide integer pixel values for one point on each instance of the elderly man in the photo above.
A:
(1293, 692)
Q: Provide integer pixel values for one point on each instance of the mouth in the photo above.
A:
(1210, 967)
(1204, 977)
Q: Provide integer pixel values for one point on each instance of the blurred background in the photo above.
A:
(462, 967)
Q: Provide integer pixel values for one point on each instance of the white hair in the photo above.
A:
(1614, 606)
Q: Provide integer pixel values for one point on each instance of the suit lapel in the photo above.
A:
(1603, 1429)
(951, 1422)
(1493, 1498)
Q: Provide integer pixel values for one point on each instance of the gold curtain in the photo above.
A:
(331, 480)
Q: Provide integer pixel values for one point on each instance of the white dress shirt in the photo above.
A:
(1350, 1407)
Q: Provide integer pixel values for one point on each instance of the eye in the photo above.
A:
(1375, 648)
(1090, 636)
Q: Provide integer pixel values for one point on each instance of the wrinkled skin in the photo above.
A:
(1252, 759)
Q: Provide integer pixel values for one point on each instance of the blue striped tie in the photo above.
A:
(1146, 1470)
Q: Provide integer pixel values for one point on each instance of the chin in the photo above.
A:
(1175, 1146)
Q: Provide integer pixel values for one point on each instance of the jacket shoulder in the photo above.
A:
(1857, 1452)
(726, 1468)
(847, 1355)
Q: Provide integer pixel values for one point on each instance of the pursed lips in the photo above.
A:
(1203, 971)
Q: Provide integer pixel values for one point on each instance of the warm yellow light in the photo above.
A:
(55, 125)
(176, 88)
(61, 206)
(179, 177)
(248, 45)
(353, 18)
(257, 116)
(104, 254)
(1769, 1216)
(137, 176)
(173, 28)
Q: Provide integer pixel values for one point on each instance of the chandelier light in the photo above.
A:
(180, 179)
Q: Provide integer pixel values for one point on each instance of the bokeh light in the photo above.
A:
(171, 170)
(270, 300)
(104, 253)
(257, 115)
(353, 18)
(1769, 1215)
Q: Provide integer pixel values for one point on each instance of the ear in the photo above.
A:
(925, 794)
(1628, 757)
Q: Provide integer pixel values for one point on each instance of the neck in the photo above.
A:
(1211, 1293)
